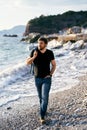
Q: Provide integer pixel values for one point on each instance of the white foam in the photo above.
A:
(5, 100)
(13, 73)
(17, 82)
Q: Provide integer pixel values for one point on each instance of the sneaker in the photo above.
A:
(42, 121)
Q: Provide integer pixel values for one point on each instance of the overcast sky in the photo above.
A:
(18, 12)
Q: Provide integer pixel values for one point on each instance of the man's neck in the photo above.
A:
(43, 50)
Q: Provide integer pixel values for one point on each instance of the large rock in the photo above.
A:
(55, 44)
(85, 44)
(85, 55)
(77, 45)
(67, 45)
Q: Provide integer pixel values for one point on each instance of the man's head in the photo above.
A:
(42, 43)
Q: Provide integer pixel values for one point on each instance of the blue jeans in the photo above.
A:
(43, 86)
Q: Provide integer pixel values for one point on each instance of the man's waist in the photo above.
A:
(43, 76)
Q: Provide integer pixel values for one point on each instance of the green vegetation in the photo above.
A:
(54, 23)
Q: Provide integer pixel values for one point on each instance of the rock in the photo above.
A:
(35, 38)
(86, 95)
(68, 124)
(9, 35)
(57, 47)
(77, 45)
(61, 42)
(74, 115)
(85, 44)
(85, 102)
(73, 67)
(55, 44)
(68, 117)
(60, 55)
(85, 56)
(78, 110)
(53, 122)
(23, 39)
(61, 117)
(8, 108)
(83, 122)
(67, 45)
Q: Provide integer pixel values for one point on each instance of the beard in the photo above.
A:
(41, 48)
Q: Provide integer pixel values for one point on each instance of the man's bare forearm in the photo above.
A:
(53, 69)
(30, 60)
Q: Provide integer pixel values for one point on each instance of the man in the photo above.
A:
(42, 57)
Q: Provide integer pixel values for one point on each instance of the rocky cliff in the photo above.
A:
(54, 23)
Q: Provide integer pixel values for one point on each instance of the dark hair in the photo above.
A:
(43, 39)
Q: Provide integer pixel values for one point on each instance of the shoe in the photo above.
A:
(42, 120)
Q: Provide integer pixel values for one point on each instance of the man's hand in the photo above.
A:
(31, 59)
(53, 62)
(35, 54)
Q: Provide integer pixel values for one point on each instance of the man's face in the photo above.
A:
(41, 45)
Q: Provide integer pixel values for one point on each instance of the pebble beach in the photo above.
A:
(67, 110)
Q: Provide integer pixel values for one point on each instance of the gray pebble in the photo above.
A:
(61, 117)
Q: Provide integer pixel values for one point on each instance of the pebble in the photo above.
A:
(68, 124)
(74, 115)
(8, 108)
(78, 110)
(61, 117)
(85, 102)
(53, 122)
(83, 122)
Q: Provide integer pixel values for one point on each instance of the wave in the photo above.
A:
(21, 71)
(6, 100)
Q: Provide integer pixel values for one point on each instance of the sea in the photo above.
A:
(16, 78)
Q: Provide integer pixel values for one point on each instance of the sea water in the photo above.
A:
(17, 82)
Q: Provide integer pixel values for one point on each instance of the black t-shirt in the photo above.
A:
(42, 63)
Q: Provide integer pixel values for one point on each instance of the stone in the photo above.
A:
(85, 102)
(86, 56)
(68, 124)
(85, 44)
(77, 45)
(61, 117)
(60, 55)
(78, 110)
(8, 108)
(55, 44)
(83, 122)
(74, 115)
(67, 45)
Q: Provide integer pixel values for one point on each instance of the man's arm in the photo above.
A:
(53, 62)
(31, 59)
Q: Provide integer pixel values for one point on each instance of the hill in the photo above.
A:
(54, 23)
(15, 30)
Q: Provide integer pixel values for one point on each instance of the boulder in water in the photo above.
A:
(8, 108)
(67, 45)
(60, 55)
(55, 44)
(85, 55)
(85, 44)
(77, 45)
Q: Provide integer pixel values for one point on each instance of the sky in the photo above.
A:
(19, 12)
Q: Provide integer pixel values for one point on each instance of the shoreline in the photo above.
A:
(67, 110)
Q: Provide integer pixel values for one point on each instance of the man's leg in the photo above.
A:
(45, 96)
(38, 84)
